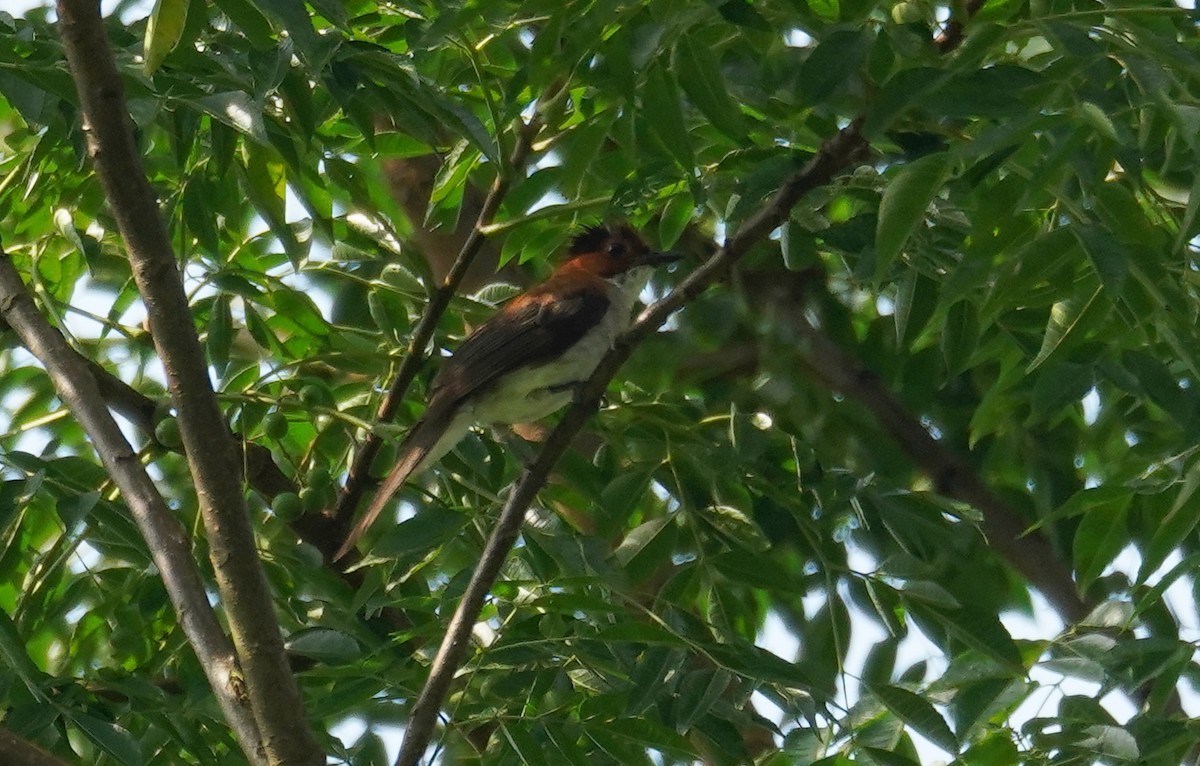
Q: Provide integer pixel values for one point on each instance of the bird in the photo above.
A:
(529, 358)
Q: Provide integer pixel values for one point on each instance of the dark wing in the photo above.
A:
(531, 329)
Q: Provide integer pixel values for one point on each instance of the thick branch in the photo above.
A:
(359, 475)
(211, 454)
(165, 536)
(22, 752)
(835, 155)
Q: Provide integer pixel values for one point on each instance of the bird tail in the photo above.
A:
(429, 439)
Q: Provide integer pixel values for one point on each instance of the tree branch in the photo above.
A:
(165, 536)
(835, 155)
(414, 356)
(1030, 554)
(261, 472)
(274, 695)
(21, 752)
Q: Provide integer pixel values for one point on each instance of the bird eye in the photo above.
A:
(616, 249)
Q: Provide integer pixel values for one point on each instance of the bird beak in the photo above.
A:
(660, 258)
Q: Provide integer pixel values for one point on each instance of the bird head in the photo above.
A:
(612, 250)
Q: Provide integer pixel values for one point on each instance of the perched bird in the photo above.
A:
(527, 360)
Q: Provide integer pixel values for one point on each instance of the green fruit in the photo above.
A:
(287, 506)
(313, 499)
(313, 395)
(308, 556)
(167, 433)
(275, 426)
(319, 478)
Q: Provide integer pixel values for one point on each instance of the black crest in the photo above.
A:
(590, 239)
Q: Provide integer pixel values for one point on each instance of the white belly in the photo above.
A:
(535, 392)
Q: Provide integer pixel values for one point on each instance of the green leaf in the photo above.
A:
(1083, 501)
(675, 217)
(699, 73)
(1095, 116)
(1107, 255)
(1157, 382)
(250, 20)
(1111, 741)
(959, 337)
(887, 757)
(329, 646)
(660, 108)
(527, 748)
(1174, 528)
(12, 649)
(163, 31)
(736, 527)
(742, 13)
(829, 10)
(299, 310)
(639, 537)
(918, 714)
(1065, 316)
(219, 333)
(997, 749)
(977, 629)
(644, 732)
(421, 533)
(698, 692)
(1060, 385)
(1100, 537)
(236, 109)
(110, 738)
(904, 204)
(648, 682)
(1030, 266)
(835, 59)
(930, 593)
(294, 17)
(622, 495)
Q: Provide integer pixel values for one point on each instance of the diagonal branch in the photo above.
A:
(1030, 554)
(261, 472)
(414, 356)
(835, 155)
(165, 536)
(17, 750)
(212, 456)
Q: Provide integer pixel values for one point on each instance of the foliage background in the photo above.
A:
(1019, 239)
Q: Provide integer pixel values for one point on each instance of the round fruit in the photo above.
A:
(287, 506)
(275, 426)
(167, 433)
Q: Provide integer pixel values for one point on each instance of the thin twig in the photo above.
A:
(836, 154)
(358, 477)
(166, 538)
(212, 457)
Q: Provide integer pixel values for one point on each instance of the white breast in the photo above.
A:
(535, 392)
